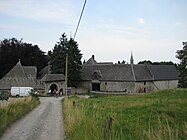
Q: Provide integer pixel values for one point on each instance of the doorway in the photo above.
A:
(53, 88)
(95, 87)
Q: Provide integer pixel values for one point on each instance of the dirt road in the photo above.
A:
(44, 123)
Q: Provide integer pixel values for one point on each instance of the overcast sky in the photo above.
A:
(110, 29)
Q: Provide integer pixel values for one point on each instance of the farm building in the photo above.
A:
(99, 77)
(129, 78)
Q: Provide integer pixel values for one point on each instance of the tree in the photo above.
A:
(156, 63)
(145, 62)
(11, 50)
(182, 66)
(58, 59)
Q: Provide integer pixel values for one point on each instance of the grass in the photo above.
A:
(161, 115)
(15, 110)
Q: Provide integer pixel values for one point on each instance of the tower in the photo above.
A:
(131, 59)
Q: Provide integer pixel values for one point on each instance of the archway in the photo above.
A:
(52, 88)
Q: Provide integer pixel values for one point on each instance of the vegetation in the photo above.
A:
(58, 59)
(11, 50)
(161, 115)
(156, 63)
(15, 110)
(182, 67)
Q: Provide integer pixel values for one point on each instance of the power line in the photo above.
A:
(80, 18)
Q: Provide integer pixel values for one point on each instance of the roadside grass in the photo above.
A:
(15, 110)
(161, 115)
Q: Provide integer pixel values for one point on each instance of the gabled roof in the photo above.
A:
(53, 77)
(91, 60)
(142, 73)
(164, 72)
(117, 72)
(44, 71)
(129, 72)
(19, 76)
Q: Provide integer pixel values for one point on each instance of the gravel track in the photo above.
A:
(44, 123)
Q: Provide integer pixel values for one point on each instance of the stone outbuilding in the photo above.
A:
(19, 75)
(127, 78)
(99, 77)
(26, 76)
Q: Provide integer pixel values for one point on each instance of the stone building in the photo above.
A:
(19, 76)
(98, 77)
(26, 76)
(127, 78)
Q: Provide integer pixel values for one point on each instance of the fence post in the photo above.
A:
(108, 128)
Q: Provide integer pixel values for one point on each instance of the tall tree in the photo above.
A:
(58, 59)
(156, 63)
(182, 66)
(11, 50)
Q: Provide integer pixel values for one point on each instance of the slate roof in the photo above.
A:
(130, 73)
(142, 73)
(91, 60)
(43, 72)
(19, 76)
(164, 72)
(117, 72)
(53, 77)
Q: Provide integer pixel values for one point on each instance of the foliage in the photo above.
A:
(15, 111)
(148, 62)
(122, 62)
(182, 66)
(160, 115)
(11, 50)
(58, 59)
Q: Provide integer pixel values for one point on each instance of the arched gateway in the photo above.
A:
(53, 82)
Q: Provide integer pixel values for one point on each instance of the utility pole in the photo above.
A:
(66, 77)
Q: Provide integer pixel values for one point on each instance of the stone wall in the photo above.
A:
(143, 87)
(159, 85)
(128, 87)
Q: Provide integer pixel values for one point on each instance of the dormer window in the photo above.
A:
(96, 75)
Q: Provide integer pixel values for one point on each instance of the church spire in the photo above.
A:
(131, 59)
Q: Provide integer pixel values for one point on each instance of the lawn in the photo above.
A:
(160, 115)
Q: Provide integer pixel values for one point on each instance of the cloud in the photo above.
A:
(43, 10)
(141, 21)
(9, 27)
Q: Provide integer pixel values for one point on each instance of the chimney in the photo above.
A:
(93, 57)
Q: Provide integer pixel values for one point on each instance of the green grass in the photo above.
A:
(160, 115)
(15, 111)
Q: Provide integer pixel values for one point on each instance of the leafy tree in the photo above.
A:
(148, 62)
(182, 66)
(58, 59)
(11, 50)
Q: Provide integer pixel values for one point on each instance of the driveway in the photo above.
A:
(44, 123)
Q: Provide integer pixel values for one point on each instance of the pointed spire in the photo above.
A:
(131, 59)
(19, 62)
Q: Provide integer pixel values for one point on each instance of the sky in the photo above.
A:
(110, 29)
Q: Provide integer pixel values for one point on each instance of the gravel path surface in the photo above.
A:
(44, 123)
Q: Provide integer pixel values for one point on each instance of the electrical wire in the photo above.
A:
(80, 19)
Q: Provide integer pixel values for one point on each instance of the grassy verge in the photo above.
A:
(15, 111)
(160, 115)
